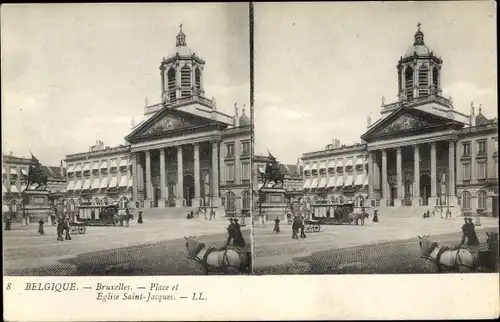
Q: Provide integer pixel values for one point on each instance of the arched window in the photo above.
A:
(185, 81)
(332, 199)
(245, 200)
(360, 201)
(481, 199)
(409, 82)
(197, 79)
(466, 200)
(123, 202)
(230, 201)
(104, 201)
(423, 76)
(171, 83)
(435, 76)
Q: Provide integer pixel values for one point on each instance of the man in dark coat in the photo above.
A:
(67, 228)
(60, 229)
(302, 227)
(139, 219)
(238, 236)
(472, 239)
(465, 231)
(276, 225)
(40, 226)
(230, 232)
(295, 228)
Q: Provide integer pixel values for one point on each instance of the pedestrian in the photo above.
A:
(375, 216)
(295, 228)
(465, 231)
(60, 229)
(472, 240)
(67, 228)
(127, 217)
(139, 220)
(230, 232)
(428, 213)
(238, 236)
(276, 225)
(40, 227)
(7, 222)
(302, 227)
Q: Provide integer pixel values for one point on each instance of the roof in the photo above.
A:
(53, 173)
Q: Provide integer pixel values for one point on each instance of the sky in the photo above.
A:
(321, 69)
(76, 73)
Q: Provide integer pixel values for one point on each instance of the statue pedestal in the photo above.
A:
(36, 205)
(272, 204)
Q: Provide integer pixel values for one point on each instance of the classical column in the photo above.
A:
(161, 202)
(383, 200)
(451, 174)
(399, 177)
(197, 199)
(178, 81)
(416, 177)
(147, 188)
(369, 172)
(135, 177)
(215, 174)
(432, 200)
(179, 202)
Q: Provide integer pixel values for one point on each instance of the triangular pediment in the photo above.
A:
(169, 122)
(406, 120)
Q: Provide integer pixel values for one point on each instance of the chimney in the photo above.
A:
(369, 121)
(236, 119)
(472, 115)
(61, 169)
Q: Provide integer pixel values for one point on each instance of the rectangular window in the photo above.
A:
(245, 146)
(481, 170)
(495, 145)
(245, 171)
(467, 171)
(229, 150)
(229, 172)
(423, 92)
(481, 147)
(466, 149)
(423, 78)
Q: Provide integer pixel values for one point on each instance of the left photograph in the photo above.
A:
(126, 141)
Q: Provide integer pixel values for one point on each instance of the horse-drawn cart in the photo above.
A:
(78, 227)
(312, 226)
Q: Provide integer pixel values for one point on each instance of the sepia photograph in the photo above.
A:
(376, 138)
(126, 139)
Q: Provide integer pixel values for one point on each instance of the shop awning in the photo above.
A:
(13, 189)
(123, 163)
(95, 184)
(13, 171)
(331, 164)
(123, 181)
(306, 167)
(113, 164)
(314, 184)
(340, 182)
(359, 180)
(331, 182)
(261, 169)
(322, 183)
(307, 184)
(113, 183)
(348, 163)
(86, 184)
(71, 169)
(340, 163)
(86, 167)
(70, 186)
(365, 183)
(104, 165)
(24, 172)
(130, 182)
(348, 181)
(359, 161)
(78, 185)
(314, 167)
(322, 165)
(104, 183)
(78, 168)
(95, 166)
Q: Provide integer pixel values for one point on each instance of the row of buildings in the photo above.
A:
(421, 152)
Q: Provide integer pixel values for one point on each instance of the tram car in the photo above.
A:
(332, 213)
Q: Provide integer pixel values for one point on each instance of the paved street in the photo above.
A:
(156, 247)
(390, 246)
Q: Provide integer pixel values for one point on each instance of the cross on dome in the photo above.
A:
(181, 37)
(419, 36)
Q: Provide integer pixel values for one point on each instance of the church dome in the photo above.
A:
(419, 47)
(181, 45)
(244, 119)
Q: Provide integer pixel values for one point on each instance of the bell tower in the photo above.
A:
(181, 73)
(419, 71)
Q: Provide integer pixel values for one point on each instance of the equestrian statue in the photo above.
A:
(36, 175)
(273, 172)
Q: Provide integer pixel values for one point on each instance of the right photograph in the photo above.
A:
(375, 138)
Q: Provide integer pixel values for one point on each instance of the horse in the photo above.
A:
(356, 217)
(214, 259)
(272, 174)
(456, 259)
(35, 175)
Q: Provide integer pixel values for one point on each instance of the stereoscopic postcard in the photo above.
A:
(249, 161)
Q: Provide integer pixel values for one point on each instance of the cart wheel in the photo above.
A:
(308, 229)
(81, 230)
(316, 228)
